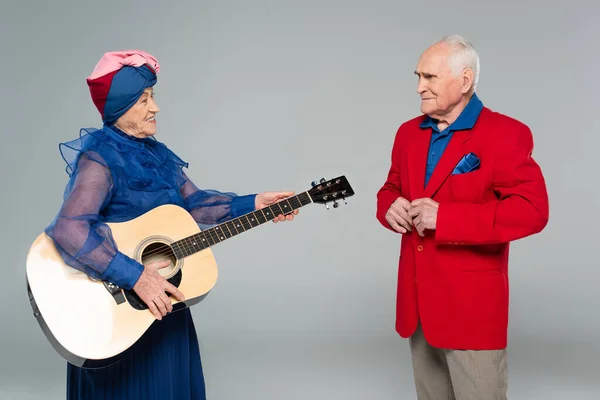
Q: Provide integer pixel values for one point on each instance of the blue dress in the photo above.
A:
(113, 178)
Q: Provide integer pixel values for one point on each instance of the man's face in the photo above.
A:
(440, 91)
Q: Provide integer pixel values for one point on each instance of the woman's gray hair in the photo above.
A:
(462, 56)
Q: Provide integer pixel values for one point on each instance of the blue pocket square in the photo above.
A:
(468, 163)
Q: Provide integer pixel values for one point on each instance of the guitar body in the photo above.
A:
(80, 317)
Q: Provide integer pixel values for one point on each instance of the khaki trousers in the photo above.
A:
(442, 374)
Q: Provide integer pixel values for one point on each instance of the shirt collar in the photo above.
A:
(466, 119)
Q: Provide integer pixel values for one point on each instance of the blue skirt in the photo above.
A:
(164, 364)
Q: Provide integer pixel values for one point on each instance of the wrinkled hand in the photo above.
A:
(423, 213)
(397, 215)
(267, 198)
(151, 287)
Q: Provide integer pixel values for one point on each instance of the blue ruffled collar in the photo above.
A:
(126, 139)
(148, 152)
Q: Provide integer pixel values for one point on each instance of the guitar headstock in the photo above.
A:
(323, 192)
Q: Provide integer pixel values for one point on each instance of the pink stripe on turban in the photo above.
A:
(115, 60)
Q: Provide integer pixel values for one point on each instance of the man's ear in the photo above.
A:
(467, 80)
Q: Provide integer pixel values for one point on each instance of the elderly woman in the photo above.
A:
(118, 173)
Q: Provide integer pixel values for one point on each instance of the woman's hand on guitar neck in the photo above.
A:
(151, 287)
(267, 198)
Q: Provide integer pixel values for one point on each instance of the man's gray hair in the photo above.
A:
(462, 56)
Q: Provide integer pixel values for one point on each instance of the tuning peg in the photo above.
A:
(345, 202)
(327, 206)
(313, 183)
(335, 204)
(322, 180)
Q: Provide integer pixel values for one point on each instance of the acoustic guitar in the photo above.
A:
(91, 323)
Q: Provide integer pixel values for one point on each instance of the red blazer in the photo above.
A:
(455, 279)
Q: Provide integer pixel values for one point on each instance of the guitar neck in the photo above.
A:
(216, 234)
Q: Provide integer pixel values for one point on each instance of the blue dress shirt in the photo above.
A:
(439, 140)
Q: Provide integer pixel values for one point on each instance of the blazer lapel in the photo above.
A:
(417, 162)
(451, 156)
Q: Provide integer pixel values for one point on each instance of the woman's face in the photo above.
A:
(139, 121)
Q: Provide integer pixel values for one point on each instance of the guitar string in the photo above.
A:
(167, 249)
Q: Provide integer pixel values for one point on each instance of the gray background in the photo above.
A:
(269, 95)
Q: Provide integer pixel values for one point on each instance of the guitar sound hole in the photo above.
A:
(156, 252)
(159, 252)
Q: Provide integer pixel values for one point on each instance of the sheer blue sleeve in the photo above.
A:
(209, 207)
(80, 236)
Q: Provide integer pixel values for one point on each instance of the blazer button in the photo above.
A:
(420, 247)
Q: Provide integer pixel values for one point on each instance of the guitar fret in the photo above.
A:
(215, 234)
(231, 228)
(202, 240)
(279, 211)
(193, 246)
(244, 223)
(252, 219)
(176, 250)
(239, 225)
(304, 199)
(260, 216)
(226, 231)
(295, 202)
(262, 212)
(208, 236)
(185, 246)
(269, 214)
(219, 233)
(196, 245)
(287, 207)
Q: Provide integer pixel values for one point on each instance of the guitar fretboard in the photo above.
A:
(200, 241)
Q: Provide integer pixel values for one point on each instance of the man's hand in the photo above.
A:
(423, 213)
(397, 215)
(151, 287)
(267, 198)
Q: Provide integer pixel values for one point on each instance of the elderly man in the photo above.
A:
(462, 185)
